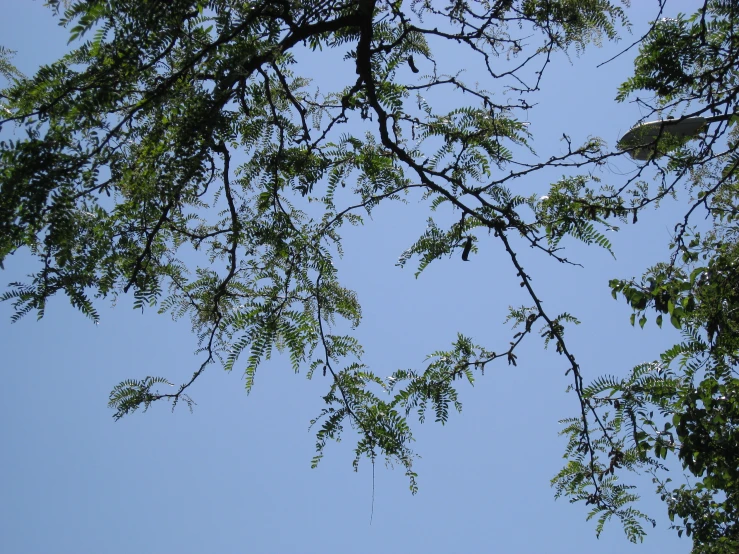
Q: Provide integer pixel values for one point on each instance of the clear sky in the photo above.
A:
(235, 475)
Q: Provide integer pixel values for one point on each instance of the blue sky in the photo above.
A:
(235, 475)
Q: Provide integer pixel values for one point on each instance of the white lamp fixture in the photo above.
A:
(641, 140)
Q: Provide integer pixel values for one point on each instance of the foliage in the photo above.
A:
(7, 71)
(175, 153)
(684, 406)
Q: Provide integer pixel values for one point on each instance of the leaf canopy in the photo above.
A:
(177, 153)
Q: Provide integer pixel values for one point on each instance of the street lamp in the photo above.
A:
(641, 140)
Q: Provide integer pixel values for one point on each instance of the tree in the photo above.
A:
(175, 153)
(685, 403)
